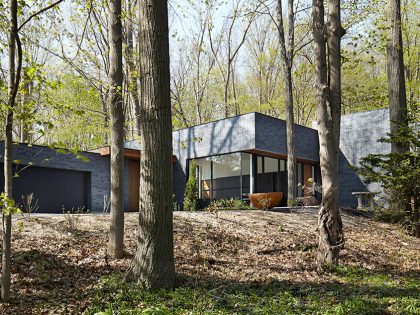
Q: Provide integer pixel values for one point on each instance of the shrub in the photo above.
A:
(228, 204)
(390, 215)
(191, 189)
(72, 218)
(399, 172)
(265, 203)
(30, 204)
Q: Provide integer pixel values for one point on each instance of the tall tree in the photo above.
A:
(327, 39)
(395, 72)
(132, 72)
(13, 84)
(115, 80)
(286, 53)
(14, 77)
(396, 88)
(265, 66)
(153, 264)
(227, 57)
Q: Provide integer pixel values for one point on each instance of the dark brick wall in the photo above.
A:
(359, 135)
(271, 136)
(97, 166)
(244, 132)
(349, 182)
(218, 137)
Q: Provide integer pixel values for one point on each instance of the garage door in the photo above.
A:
(55, 189)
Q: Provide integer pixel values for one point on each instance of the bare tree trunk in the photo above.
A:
(287, 60)
(104, 95)
(153, 264)
(132, 71)
(24, 126)
(115, 80)
(226, 91)
(396, 87)
(260, 90)
(328, 86)
(13, 84)
(232, 51)
(234, 95)
(7, 217)
(395, 72)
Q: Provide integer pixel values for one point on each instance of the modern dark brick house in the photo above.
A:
(234, 156)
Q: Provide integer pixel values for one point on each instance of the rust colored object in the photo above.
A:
(130, 154)
(260, 200)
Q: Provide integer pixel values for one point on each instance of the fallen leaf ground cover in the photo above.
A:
(230, 262)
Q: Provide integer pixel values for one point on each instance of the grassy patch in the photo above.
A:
(348, 291)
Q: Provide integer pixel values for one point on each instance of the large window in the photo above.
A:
(246, 172)
(226, 176)
(204, 178)
(220, 176)
(259, 176)
(235, 175)
(299, 180)
(271, 174)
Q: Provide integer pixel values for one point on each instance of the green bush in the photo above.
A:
(390, 215)
(191, 189)
(228, 204)
(400, 174)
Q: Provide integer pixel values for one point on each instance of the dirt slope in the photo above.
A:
(57, 259)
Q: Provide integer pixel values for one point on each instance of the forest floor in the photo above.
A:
(230, 262)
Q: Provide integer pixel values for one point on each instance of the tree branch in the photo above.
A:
(52, 5)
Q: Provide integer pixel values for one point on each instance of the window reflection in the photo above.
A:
(234, 175)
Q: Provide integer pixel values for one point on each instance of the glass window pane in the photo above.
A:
(226, 165)
(299, 179)
(271, 165)
(204, 178)
(259, 164)
(246, 162)
(282, 165)
(271, 178)
(259, 176)
(246, 167)
(226, 176)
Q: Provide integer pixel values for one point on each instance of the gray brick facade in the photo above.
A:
(359, 137)
(270, 134)
(96, 165)
(253, 131)
(239, 133)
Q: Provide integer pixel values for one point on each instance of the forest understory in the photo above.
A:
(230, 262)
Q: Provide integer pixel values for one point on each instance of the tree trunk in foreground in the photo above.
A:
(395, 72)
(13, 83)
(328, 99)
(396, 88)
(153, 265)
(286, 54)
(115, 77)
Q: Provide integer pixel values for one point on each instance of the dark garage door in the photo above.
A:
(54, 188)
